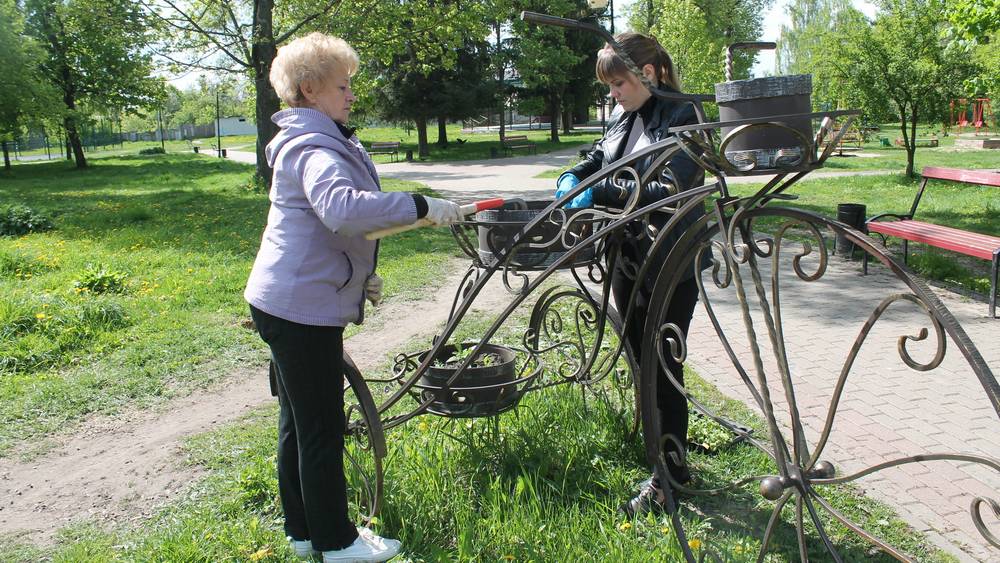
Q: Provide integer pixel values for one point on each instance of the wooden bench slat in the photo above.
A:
(982, 177)
(972, 244)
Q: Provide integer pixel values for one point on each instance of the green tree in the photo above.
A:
(547, 57)
(976, 28)
(696, 33)
(901, 60)
(24, 96)
(804, 45)
(238, 37)
(95, 55)
(411, 61)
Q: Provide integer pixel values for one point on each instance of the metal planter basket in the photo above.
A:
(781, 144)
(541, 247)
(479, 390)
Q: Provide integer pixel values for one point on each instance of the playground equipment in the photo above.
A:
(979, 109)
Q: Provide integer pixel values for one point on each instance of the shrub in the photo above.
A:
(17, 220)
(152, 150)
(101, 279)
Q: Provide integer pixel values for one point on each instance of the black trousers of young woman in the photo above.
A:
(309, 366)
(671, 403)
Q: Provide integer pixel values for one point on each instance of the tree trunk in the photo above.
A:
(908, 143)
(442, 131)
(74, 141)
(6, 156)
(267, 102)
(500, 73)
(423, 151)
(567, 120)
(554, 117)
(911, 151)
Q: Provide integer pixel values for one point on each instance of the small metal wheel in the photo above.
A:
(364, 447)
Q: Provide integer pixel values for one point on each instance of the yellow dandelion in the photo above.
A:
(423, 426)
(40, 316)
(665, 530)
(625, 526)
(261, 553)
(694, 543)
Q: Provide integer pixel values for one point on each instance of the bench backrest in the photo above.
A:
(386, 145)
(510, 138)
(981, 177)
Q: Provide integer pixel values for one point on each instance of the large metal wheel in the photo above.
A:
(748, 264)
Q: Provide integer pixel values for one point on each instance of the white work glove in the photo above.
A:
(442, 212)
(373, 289)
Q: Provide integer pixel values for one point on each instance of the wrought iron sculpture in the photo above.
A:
(528, 242)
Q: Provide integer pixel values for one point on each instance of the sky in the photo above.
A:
(773, 20)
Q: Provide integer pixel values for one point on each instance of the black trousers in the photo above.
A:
(672, 404)
(309, 370)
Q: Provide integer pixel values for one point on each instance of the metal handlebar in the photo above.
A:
(748, 45)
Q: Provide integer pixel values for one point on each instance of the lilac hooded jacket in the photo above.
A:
(325, 195)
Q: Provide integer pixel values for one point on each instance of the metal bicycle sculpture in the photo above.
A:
(527, 244)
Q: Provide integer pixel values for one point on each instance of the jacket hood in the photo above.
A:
(301, 122)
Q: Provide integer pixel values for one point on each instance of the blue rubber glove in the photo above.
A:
(583, 199)
(565, 184)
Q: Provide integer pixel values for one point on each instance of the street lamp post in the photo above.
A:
(218, 124)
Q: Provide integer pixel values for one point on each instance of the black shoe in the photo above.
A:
(649, 499)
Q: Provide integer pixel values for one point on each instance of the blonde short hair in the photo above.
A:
(313, 57)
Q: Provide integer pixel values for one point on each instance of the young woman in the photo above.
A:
(312, 274)
(640, 120)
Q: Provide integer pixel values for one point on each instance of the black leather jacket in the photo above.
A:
(659, 116)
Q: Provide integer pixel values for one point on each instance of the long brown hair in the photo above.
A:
(643, 50)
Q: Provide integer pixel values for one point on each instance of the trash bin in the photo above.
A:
(195, 150)
(223, 153)
(409, 155)
(853, 215)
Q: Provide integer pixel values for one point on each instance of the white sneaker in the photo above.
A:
(303, 548)
(368, 548)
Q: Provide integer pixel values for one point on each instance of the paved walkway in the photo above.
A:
(887, 410)
(470, 180)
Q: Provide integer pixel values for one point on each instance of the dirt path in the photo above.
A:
(119, 470)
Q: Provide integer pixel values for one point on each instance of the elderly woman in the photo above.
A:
(640, 120)
(311, 277)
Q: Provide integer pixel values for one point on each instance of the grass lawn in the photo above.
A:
(969, 207)
(243, 142)
(539, 483)
(476, 147)
(894, 158)
(183, 231)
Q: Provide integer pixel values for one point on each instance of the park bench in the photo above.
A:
(969, 243)
(853, 137)
(511, 143)
(386, 147)
(927, 142)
